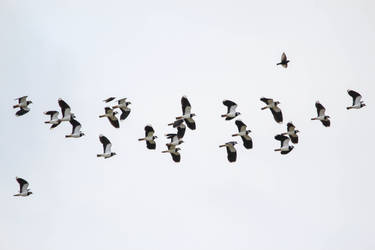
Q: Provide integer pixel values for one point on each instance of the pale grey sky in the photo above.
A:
(320, 196)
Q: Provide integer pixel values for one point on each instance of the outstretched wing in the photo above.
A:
(266, 100)
(356, 96)
(76, 126)
(247, 141)
(190, 123)
(320, 109)
(22, 111)
(231, 153)
(125, 113)
(185, 104)
(240, 125)
(149, 131)
(231, 106)
(23, 184)
(277, 114)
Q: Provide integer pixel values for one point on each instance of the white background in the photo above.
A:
(320, 196)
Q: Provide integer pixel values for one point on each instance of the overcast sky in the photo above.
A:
(320, 196)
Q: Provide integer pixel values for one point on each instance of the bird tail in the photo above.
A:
(101, 116)
(278, 149)
(98, 155)
(263, 108)
(16, 106)
(224, 115)
(170, 124)
(47, 122)
(68, 136)
(235, 135)
(349, 108)
(222, 146)
(314, 119)
(141, 139)
(178, 118)
(165, 151)
(278, 64)
(116, 106)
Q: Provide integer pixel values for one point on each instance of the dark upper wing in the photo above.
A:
(109, 99)
(177, 123)
(326, 123)
(240, 125)
(186, 107)
(149, 131)
(63, 105)
(229, 104)
(354, 95)
(190, 123)
(294, 138)
(319, 108)
(22, 111)
(283, 58)
(181, 131)
(74, 123)
(114, 121)
(125, 113)
(104, 140)
(176, 156)
(22, 183)
(247, 141)
(290, 127)
(151, 144)
(231, 155)
(277, 114)
(266, 100)
(22, 99)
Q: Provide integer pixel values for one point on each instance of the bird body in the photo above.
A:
(285, 148)
(284, 61)
(231, 110)
(292, 132)
(246, 139)
(22, 105)
(111, 115)
(107, 145)
(123, 106)
(321, 115)
(149, 137)
(187, 116)
(175, 139)
(357, 103)
(24, 191)
(76, 129)
(231, 150)
(275, 110)
(174, 152)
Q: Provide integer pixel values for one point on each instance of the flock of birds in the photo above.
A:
(186, 118)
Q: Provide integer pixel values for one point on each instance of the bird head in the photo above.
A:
(127, 103)
(238, 113)
(248, 131)
(327, 117)
(296, 131)
(113, 153)
(81, 134)
(178, 149)
(192, 115)
(362, 104)
(277, 103)
(28, 193)
(115, 112)
(29, 102)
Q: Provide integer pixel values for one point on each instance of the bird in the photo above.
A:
(284, 61)
(357, 103)
(53, 117)
(179, 124)
(175, 139)
(106, 147)
(23, 105)
(174, 152)
(149, 137)
(187, 116)
(65, 111)
(109, 99)
(231, 111)
(285, 148)
(111, 115)
(292, 132)
(76, 129)
(24, 191)
(123, 106)
(231, 150)
(321, 115)
(272, 105)
(247, 141)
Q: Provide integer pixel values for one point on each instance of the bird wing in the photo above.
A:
(230, 105)
(104, 140)
(22, 111)
(283, 57)
(247, 141)
(240, 125)
(294, 138)
(151, 144)
(290, 127)
(190, 123)
(125, 113)
(64, 107)
(326, 123)
(283, 139)
(53, 114)
(266, 100)
(108, 111)
(109, 99)
(277, 114)
(22, 99)
(149, 131)
(231, 153)
(181, 130)
(23, 184)
(114, 121)
(356, 96)
(121, 101)
(320, 109)
(185, 104)
(76, 126)
(176, 156)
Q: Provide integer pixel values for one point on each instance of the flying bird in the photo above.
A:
(285, 148)
(284, 61)
(272, 105)
(107, 153)
(109, 99)
(65, 111)
(24, 191)
(149, 137)
(292, 132)
(231, 150)
(357, 103)
(231, 110)
(23, 105)
(175, 139)
(76, 129)
(54, 120)
(174, 152)
(111, 115)
(187, 116)
(123, 106)
(321, 115)
(247, 141)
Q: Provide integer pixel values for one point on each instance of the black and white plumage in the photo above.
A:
(123, 106)
(231, 110)
(246, 139)
(357, 103)
(174, 152)
(272, 105)
(65, 111)
(54, 119)
(321, 115)
(181, 128)
(24, 191)
(76, 129)
(175, 139)
(292, 132)
(187, 116)
(109, 99)
(149, 137)
(231, 150)
(284, 61)
(23, 104)
(111, 115)
(107, 145)
(285, 148)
